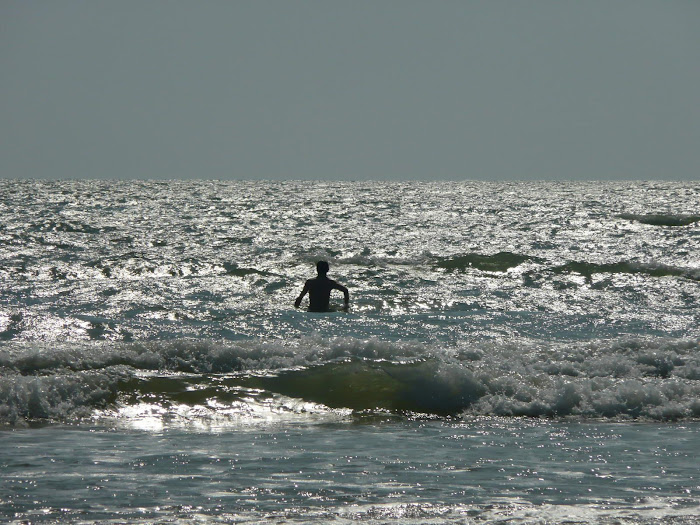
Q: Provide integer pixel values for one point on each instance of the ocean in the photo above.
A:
(521, 352)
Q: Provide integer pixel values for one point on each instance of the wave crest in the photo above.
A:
(620, 379)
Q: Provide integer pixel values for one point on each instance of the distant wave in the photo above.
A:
(503, 261)
(588, 269)
(656, 379)
(499, 262)
(51, 225)
(662, 219)
(234, 269)
(130, 266)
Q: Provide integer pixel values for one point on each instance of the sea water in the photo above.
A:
(513, 352)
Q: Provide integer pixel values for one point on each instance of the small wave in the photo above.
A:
(365, 258)
(202, 357)
(234, 269)
(662, 219)
(499, 262)
(69, 227)
(588, 269)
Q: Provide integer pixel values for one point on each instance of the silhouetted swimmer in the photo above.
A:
(319, 290)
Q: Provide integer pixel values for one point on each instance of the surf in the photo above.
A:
(655, 379)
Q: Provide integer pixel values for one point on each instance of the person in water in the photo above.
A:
(319, 290)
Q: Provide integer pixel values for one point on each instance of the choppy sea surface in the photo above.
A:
(514, 352)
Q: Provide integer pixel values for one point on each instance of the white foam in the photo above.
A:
(60, 396)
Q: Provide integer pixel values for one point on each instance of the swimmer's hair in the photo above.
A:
(322, 267)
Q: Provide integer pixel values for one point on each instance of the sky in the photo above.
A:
(350, 90)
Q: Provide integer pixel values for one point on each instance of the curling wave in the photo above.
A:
(655, 379)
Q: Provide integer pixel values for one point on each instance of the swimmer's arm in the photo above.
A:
(345, 292)
(302, 294)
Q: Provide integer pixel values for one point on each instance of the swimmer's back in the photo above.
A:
(320, 293)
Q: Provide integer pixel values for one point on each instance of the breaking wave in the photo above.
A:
(657, 379)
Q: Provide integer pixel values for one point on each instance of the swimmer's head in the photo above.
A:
(322, 267)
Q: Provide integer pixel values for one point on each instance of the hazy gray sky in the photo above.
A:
(380, 89)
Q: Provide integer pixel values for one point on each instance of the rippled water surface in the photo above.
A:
(137, 261)
(157, 319)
